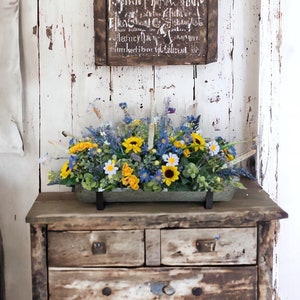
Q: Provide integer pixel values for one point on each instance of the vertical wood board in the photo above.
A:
(269, 97)
(56, 76)
(71, 86)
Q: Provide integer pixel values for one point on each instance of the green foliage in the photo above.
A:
(180, 159)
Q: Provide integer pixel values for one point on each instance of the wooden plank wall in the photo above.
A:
(269, 93)
(224, 93)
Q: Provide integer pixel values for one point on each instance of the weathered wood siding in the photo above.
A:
(224, 93)
(279, 110)
(60, 80)
(268, 128)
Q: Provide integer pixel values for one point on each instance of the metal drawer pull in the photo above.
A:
(207, 245)
(196, 291)
(98, 248)
(160, 288)
(168, 290)
(106, 291)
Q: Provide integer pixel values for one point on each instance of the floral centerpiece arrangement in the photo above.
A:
(149, 155)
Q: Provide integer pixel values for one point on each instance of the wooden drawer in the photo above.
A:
(96, 248)
(216, 246)
(154, 283)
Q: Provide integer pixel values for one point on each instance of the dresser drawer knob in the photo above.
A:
(98, 248)
(206, 245)
(168, 290)
(106, 291)
(197, 291)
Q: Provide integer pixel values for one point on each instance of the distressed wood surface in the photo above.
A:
(156, 33)
(116, 248)
(39, 266)
(171, 230)
(152, 247)
(71, 85)
(266, 241)
(217, 246)
(161, 283)
(100, 23)
(62, 211)
(270, 94)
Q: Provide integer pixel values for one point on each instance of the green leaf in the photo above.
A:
(239, 185)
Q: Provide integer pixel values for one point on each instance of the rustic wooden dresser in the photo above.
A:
(153, 250)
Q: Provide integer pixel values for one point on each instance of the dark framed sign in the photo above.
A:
(155, 32)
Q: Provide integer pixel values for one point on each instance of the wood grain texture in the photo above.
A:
(81, 240)
(121, 248)
(71, 84)
(236, 246)
(152, 247)
(100, 32)
(155, 33)
(267, 235)
(39, 268)
(62, 211)
(135, 284)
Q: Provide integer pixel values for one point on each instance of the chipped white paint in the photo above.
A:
(224, 93)
(270, 60)
(148, 284)
(279, 112)
(269, 105)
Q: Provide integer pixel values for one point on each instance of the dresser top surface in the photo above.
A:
(61, 210)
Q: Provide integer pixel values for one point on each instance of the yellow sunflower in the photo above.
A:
(65, 171)
(133, 144)
(198, 141)
(82, 146)
(170, 174)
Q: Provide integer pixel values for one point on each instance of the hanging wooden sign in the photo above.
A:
(155, 32)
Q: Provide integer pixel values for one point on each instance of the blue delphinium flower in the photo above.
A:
(127, 118)
(231, 150)
(171, 110)
(72, 141)
(92, 152)
(144, 175)
(194, 121)
(72, 161)
(157, 177)
(163, 143)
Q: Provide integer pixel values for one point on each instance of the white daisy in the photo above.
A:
(110, 168)
(171, 159)
(213, 148)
